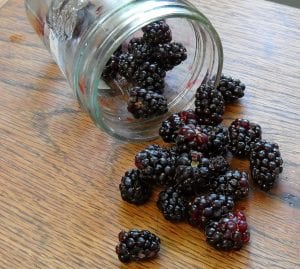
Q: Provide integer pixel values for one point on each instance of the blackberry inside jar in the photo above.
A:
(131, 63)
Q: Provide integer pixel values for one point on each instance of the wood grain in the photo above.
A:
(59, 175)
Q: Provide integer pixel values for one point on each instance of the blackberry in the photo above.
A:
(157, 165)
(112, 66)
(191, 137)
(233, 183)
(146, 104)
(137, 245)
(229, 233)
(242, 134)
(266, 164)
(127, 65)
(218, 139)
(157, 32)
(133, 189)
(140, 50)
(169, 128)
(231, 89)
(172, 204)
(169, 55)
(209, 207)
(209, 105)
(192, 173)
(150, 77)
(218, 165)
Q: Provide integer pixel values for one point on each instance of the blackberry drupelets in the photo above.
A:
(229, 233)
(137, 245)
(112, 66)
(141, 51)
(192, 173)
(127, 65)
(217, 139)
(146, 104)
(266, 164)
(172, 204)
(231, 89)
(243, 133)
(150, 77)
(233, 183)
(209, 105)
(209, 207)
(157, 32)
(218, 165)
(169, 55)
(157, 165)
(191, 137)
(169, 128)
(133, 189)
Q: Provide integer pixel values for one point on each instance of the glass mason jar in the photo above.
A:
(82, 35)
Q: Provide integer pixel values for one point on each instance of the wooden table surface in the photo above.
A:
(59, 201)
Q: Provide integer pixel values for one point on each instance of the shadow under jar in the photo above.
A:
(82, 35)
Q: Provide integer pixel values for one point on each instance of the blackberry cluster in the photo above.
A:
(150, 76)
(233, 183)
(209, 207)
(266, 164)
(242, 134)
(137, 245)
(145, 104)
(217, 139)
(231, 89)
(133, 189)
(170, 127)
(191, 137)
(229, 233)
(144, 65)
(156, 165)
(200, 185)
(157, 33)
(169, 55)
(172, 203)
(209, 105)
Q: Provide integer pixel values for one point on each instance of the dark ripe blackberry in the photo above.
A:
(229, 233)
(157, 32)
(169, 55)
(233, 183)
(112, 66)
(266, 164)
(209, 105)
(192, 180)
(140, 50)
(218, 165)
(231, 89)
(127, 65)
(169, 128)
(146, 104)
(209, 207)
(242, 134)
(191, 137)
(172, 204)
(218, 139)
(137, 245)
(133, 189)
(157, 165)
(150, 77)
